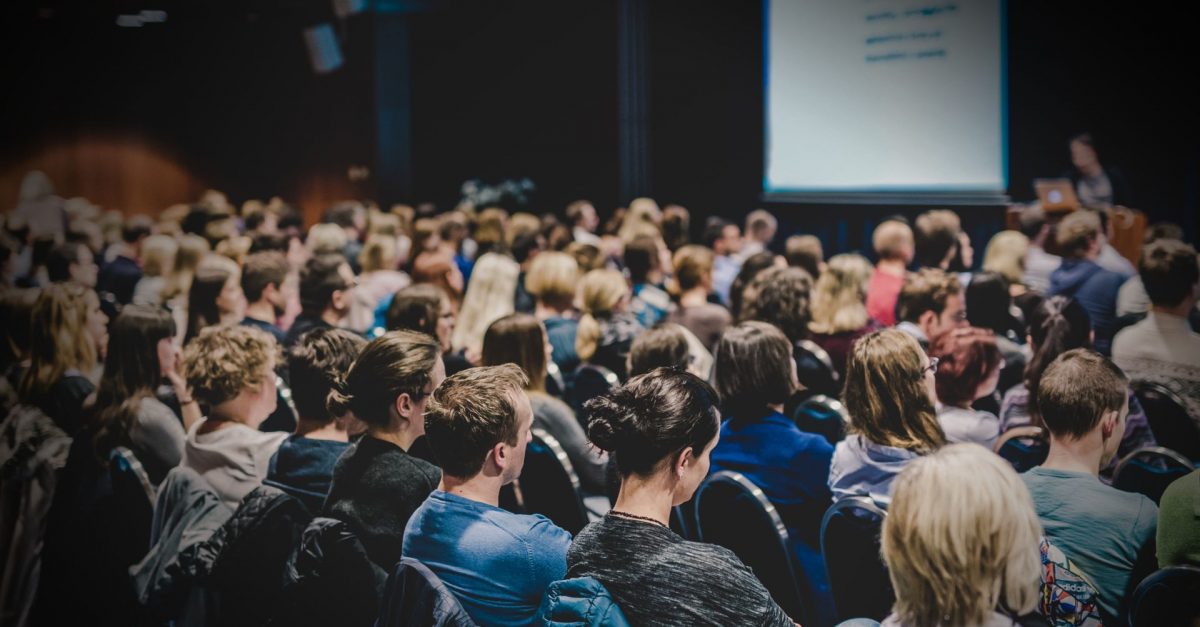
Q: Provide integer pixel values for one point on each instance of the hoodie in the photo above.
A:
(1096, 290)
(863, 468)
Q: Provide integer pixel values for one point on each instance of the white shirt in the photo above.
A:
(584, 236)
(1164, 349)
(968, 425)
(1038, 266)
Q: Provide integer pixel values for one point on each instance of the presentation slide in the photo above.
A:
(887, 97)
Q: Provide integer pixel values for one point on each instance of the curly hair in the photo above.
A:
(222, 361)
(781, 297)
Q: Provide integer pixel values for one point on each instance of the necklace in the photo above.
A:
(636, 517)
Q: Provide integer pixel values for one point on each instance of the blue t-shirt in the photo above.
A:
(497, 563)
(1099, 528)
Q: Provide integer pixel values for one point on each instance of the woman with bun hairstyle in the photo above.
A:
(377, 484)
(662, 426)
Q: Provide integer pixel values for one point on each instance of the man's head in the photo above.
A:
(893, 241)
(932, 300)
(325, 283)
(805, 251)
(582, 214)
(1078, 235)
(479, 421)
(1083, 397)
(761, 226)
(723, 237)
(73, 262)
(936, 238)
(265, 277)
(315, 363)
(1170, 273)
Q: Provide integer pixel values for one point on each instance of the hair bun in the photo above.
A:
(339, 400)
(610, 422)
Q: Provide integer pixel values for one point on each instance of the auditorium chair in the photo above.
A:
(548, 485)
(414, 595)
(1169, 419)
(590, 381)
(824, 416)
(1167, 598)
(850, 545)
(1023, 447)
(1149, 470)
(814, 369)
(133, 497)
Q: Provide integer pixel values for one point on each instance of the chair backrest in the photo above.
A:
(329, 580)
(814, 368)
(1168, 418)
(850, 545)
(1167, 598)
(134, 495)
(1149, 470)
(1069, 599)
(824, 416)
(1023, 447)
(590, 381)
(556, 385)
(548, 484)
(734, 513)
(414, 595)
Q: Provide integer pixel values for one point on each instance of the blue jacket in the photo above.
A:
(579, 601)
(1096, 290)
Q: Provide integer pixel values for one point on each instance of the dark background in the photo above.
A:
(223, 92)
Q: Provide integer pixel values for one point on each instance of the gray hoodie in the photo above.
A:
(863, 468)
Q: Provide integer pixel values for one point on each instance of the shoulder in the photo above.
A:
(153, 411)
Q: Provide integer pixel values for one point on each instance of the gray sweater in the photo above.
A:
(557, 419)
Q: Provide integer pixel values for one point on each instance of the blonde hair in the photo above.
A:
(552, 278)
(379, 253)
(158, 255)
(235, 248)
(326, 238)
(1005, 255)
(642, 218)
(891, 239)
(58, 338)
(839, 296)
(599, 294)
(490, 296)
(692, 263)
(191, 249)
(221, 361)
(886, 394)
(382, 223)
(519, 224)
(1076, 231)
(961, 539)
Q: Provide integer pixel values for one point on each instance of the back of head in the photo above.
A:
(714, 229)
(886, 395)
(57, 341)
(751, 268)
(653, 417)
(925, 290)
(470, 413)
(1077, 390)
(961, 539)
(989, 302)
(780, 297)
(664, 346)
(761, 226)
(326, 239)
(136, 228)
(315, 363)
(395, 363)
(213, 273)
(676, 222)
(60, 258)
(379, 253)
(641, 258)
(935, 236)
(1005, 255)
(893, 240)
(489, 296)
(968, 357)
(1031, 220)
(1057, 325)
(131, 371)
(320, 277)
(552, 278)
(692, 263)
(1077, 232)
(158, 255)
(222, 361)
(1163, 230)
(1169, 272)
(753, 370)
(416, 308)
(839, 301)
(518, 339)
(805, 251)
(600, 293)
(262, 270)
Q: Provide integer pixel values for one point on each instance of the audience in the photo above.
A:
(489, 296)
(1039, 264)
(158, 257)
(893, 243)
(931, 303)
(552, 280)
(72, 262)
(839, 310)
(662, 427)
(724, 240)
(760, 232)
(379, 260)
(643, 261)
(497, 563)
(606, 327)
(663, 346)
(990, 306)
(427, 309)
(268, 285)
(694, 282)
(968, 369)
(377, 484)
(937, 240)
(325, 284)
(751, 267)
(890, 397)
(1005, 255)
(582, 218)
(64, 348)
(1080, 278)
(215, 296)
(121, 271)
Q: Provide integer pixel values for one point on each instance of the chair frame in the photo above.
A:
(822, 356)
(845, 503)
(1139, 593)
(138, 470)
(1157, 450)
(1026, 431)
(1139, 386)
(565, 462)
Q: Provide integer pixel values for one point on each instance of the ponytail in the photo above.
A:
(587, 337)
(1056, 326)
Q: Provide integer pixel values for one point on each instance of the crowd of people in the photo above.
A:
(386, 369)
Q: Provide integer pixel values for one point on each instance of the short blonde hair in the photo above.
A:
(235, 248)
(326, 238)
(158, 255)
(840, 295)
(192, 248)
(891, 239)
(692, 263)
(599, 294)
(490, 296)
(961, 539)
(1005, 255)
(379, 253)
(643, 218)
(552, 277)
(222, 361)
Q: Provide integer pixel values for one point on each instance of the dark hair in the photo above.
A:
(653, 417)
(925, 290)
(989, 303)
(780, 296)
(750, 268)
(16, 323)
(935, 235)
(525, 245)
(575, 211)
(806, 252)
(60, 259)
(315, 362)
(202, 298)
(470, 413)
(135, 228)
(416, 308)
(1056, 325)
(753, 370)
(1163, 230)
(663, 346)
(518, 339)
(1077, 389)
(1169, 271)
(676, 222)
(131, 373)
(269, 242)
(341, 214)
(968, 357)
(714, 229)
(395, 363)
(319, 279)
(261, 270)
(641, 258)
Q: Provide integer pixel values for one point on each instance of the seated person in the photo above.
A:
(893, 243)
(968, 369)
(606, 326)
(890, 397)
(1107, 533)
(930, 304)
(839, 309)
(426, 308)
(377, 484)
(694, 283)
(1179, 522)
(496, 562)
(326, 295)
(962, 496)
(663, 346)
(226, 448)
(1082, 279)
(268, 284)
(662, 426)
(303, 465)
(551, 280)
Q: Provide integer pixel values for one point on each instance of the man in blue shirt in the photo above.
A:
(496, 562)
(1107, 533)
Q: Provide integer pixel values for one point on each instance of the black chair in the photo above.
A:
(548, 485)
(1169, 419)
(1149, 470)
(556, 385)
(1167, 598)
(814, 369)
(590, 381)
(415, 596)
(1023, 447)
(133, 498)
(824, 416)
(734, 513)
(850, 545)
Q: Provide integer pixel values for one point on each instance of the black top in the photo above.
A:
(275, 331)
(303, 467)
(64, 402)
(302, 325)
(376, 488)
(119, 277)
(658, 578)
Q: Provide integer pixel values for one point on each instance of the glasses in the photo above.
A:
(932, 367)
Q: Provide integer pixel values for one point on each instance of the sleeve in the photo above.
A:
(745, 594)
(159, 433)
(547, 545)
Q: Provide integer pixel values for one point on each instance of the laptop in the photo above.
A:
(1056, 195)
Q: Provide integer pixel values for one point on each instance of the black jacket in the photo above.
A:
(329, 580)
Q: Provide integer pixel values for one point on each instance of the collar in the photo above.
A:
(1169, 322)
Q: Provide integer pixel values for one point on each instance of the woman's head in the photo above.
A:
(216, 294)
(391, 380)
(693, 267)
(231, 372)
(961, 539)
(192, 248)
(840, 295)
(664, 346)
(1057, 325)
(890, 392)
(601, 294)
(780, 296)
(490, 295)
(989, 303)
(379, 253)
(139, 347)
(326, 239)
(662, 424)
(66, 333)
(741, 289)
(158, 255)
(424, 308)
(552, 278)
(1005, 254)
(968, 367)
(754, 370)
(518, 339)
